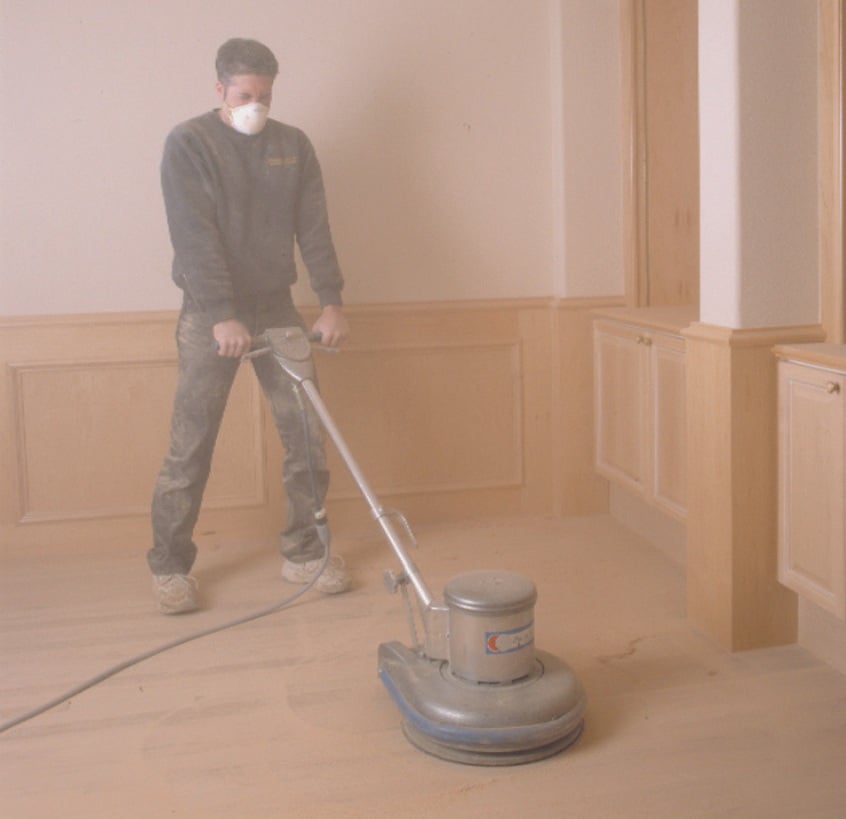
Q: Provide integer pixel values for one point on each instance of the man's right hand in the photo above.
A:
(233, 339)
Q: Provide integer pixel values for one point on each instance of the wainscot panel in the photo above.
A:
(451, 409)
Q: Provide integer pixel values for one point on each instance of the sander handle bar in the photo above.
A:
(291, 347)
(383, 517)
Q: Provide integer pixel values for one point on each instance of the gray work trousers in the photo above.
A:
(203, 386)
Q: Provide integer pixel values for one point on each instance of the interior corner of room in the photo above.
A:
(594, 264)
(628, 299)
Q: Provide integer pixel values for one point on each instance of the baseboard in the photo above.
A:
(822, 635)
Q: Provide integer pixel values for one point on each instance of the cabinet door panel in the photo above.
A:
(669, 425)
(812, 485)
(621, 401)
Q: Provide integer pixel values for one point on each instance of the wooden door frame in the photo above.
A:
(832, 25)
(634, 146)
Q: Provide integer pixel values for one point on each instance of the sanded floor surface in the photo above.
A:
(285, 716)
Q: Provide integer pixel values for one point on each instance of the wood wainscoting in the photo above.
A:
(452, 410)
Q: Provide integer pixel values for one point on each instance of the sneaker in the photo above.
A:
(333, 580)
(175, 593)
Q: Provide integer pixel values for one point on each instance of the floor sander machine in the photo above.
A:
(474, 690)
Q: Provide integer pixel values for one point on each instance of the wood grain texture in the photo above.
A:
(286, 717)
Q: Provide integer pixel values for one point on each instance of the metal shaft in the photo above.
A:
(379, 513)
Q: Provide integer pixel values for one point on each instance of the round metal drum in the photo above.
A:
(491, 626)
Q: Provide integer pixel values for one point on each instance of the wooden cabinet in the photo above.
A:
(812, 475)
(640, 421)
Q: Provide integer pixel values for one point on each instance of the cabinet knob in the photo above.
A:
(832, 387)
(645, 340)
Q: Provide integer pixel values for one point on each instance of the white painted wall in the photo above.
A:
(719, 164)
(592, 156)
(438, 123)
(758, 155)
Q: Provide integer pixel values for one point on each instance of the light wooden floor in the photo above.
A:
(286, 717)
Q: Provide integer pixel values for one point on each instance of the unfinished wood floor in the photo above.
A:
(285, 716)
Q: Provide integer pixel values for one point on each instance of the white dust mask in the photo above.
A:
(250, 118)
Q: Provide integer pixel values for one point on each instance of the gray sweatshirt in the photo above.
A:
(235, 205)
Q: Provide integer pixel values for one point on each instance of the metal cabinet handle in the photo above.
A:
(645, 340)
(832, 387)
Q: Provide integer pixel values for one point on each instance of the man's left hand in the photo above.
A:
(332, 326)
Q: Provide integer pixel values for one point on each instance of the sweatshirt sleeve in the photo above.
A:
(313, 234)
(200, 265)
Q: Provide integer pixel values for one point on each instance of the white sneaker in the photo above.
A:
(175, 593)
(333, 580)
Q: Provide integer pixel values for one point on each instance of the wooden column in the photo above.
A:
(733, 593)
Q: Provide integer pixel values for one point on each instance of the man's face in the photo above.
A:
(246, 88)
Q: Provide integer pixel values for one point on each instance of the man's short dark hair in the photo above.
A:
(240, 56)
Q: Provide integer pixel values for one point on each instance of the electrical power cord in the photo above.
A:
(323, 534)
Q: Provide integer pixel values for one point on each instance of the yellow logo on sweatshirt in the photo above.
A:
(275, 161)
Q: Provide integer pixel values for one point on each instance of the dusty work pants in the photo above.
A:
(203, 386)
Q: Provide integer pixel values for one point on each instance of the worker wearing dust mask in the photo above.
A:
(240, 189)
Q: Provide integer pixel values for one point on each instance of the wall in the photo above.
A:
(759, 160)
(472, 158)
(587, 93)
(438, 124)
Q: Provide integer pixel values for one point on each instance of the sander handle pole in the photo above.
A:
(381, 515)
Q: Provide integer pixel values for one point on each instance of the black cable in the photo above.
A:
(115, 669)
(322, 533)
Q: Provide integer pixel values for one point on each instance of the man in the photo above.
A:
(239, 190)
